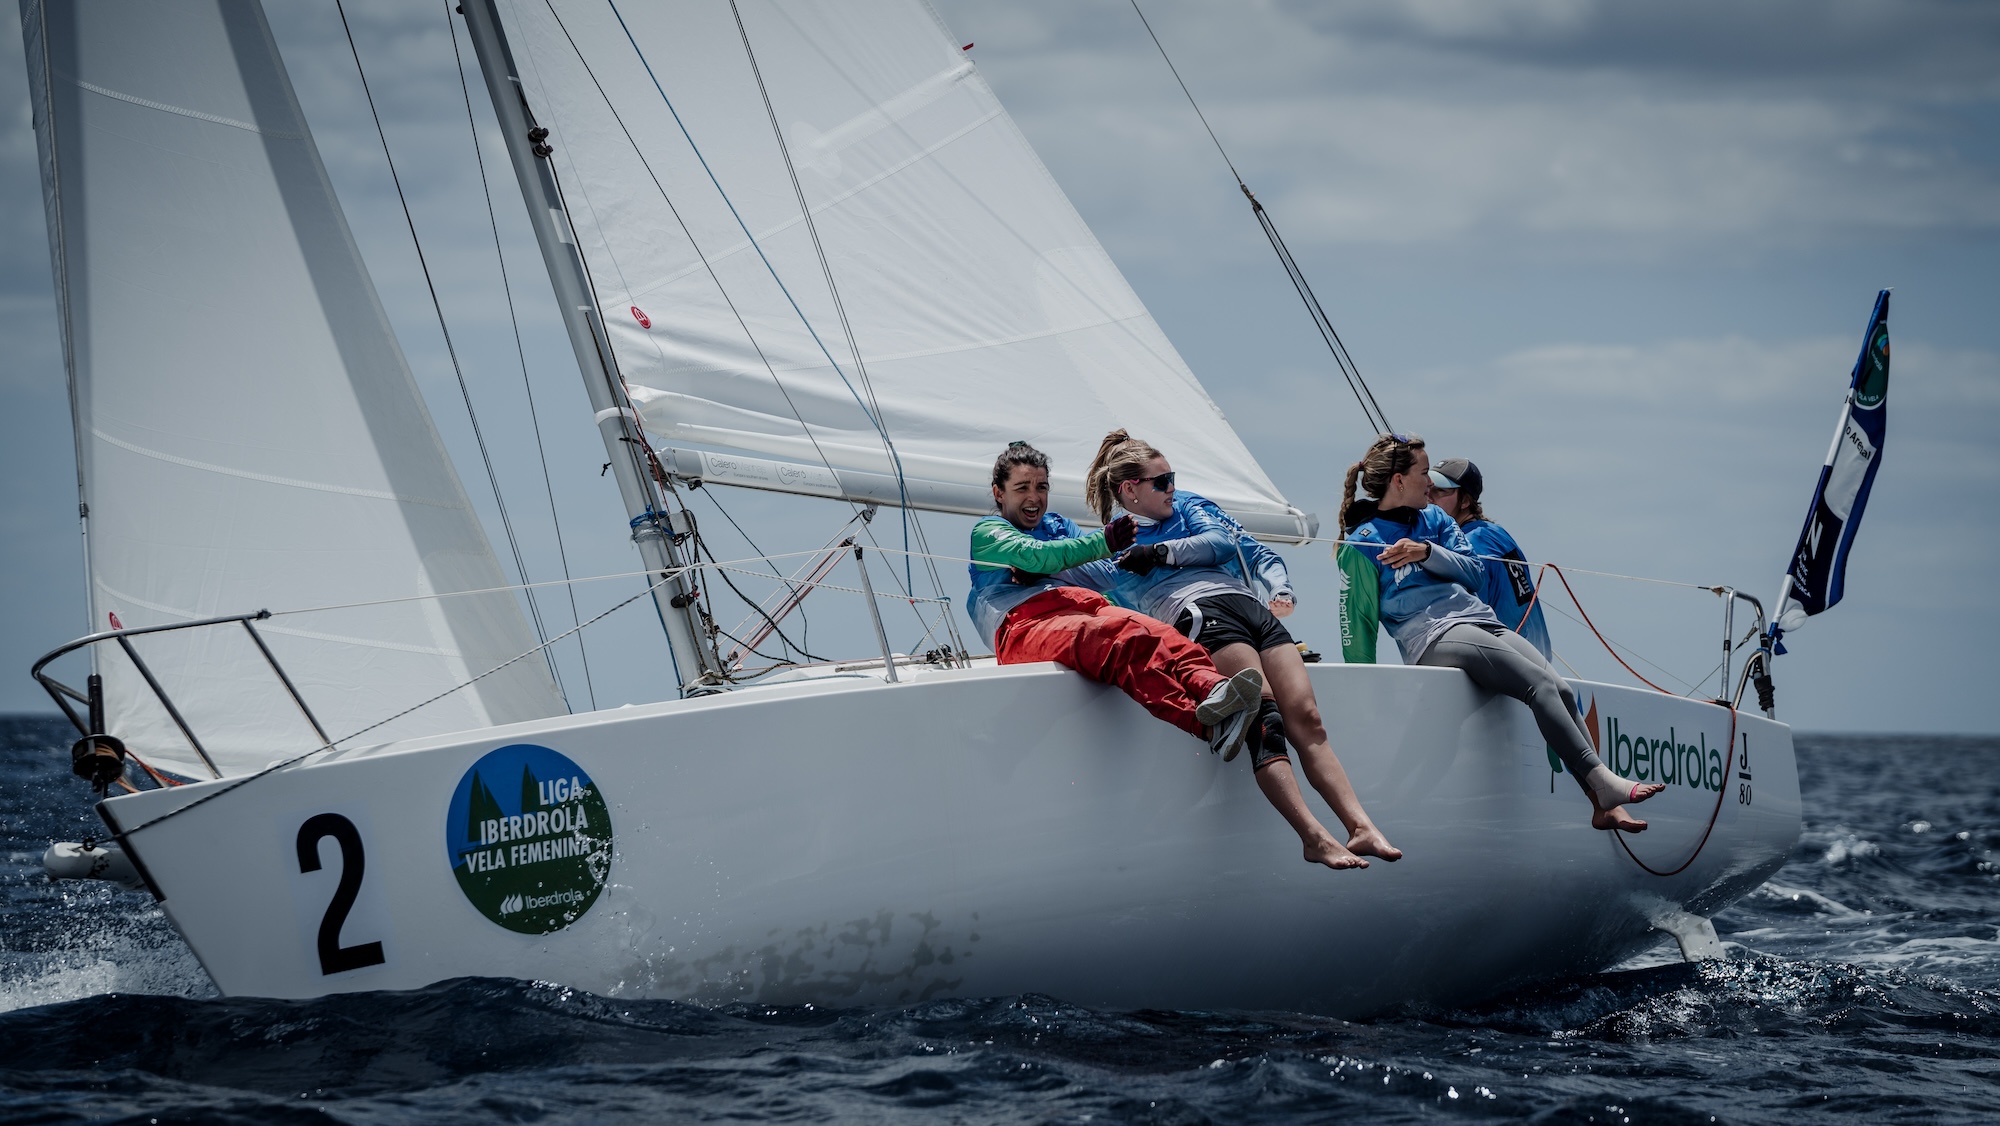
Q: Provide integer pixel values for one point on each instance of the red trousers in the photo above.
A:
(1166, 673)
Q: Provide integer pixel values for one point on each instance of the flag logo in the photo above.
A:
(1873, 386)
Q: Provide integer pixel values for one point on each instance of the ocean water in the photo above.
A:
(1863, 983)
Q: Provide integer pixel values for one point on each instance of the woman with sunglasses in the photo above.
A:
(1028, 607)
(1195, 567)
(1427, 573)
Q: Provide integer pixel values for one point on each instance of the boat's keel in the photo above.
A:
(1695, 935)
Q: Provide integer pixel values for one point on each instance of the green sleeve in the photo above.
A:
(1360, 605)
(996, 543)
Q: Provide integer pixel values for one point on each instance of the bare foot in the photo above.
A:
(1333, 854)
(1609, 790)
(1617, 818)
(1369, 841)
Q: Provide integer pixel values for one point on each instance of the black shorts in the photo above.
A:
(1225, 619)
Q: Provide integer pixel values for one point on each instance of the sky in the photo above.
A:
(1619, 254)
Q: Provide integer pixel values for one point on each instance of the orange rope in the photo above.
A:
(1721, 790)
(1534, 598)
(1713, 814)
(159, 779)
(1600, 636)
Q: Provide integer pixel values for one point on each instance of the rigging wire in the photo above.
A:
(520, 354)
(757, 606)
(689, 234)
(465, 392)
(330, 744)
(805, 633)
(825, 266)
(723, 291)
(846, 326)
(895, 458)
(644, 465)
(1363, 394)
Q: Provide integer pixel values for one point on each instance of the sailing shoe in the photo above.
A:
(1227, 738)
(1238, 693)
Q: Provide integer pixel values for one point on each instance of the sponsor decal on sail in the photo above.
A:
(528, 837)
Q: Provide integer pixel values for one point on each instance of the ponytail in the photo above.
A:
(1120, 458)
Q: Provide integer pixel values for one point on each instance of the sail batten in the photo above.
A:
(981, 307)
(249, 435)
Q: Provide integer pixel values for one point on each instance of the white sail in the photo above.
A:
(982, 307)
(249, 435)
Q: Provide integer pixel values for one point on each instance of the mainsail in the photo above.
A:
(978, 308)
(248, 433)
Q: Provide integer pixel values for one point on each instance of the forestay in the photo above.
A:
(982, 307)
(248, 433)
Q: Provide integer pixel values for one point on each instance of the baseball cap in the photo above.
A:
(1458, 473)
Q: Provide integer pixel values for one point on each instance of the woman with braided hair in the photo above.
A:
(1195, 567)
(1426, 575)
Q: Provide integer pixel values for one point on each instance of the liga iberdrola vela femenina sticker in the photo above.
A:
(529, 838)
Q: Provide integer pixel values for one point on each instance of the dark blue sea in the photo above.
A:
(1863, 983)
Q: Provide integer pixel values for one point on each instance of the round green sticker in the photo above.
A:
(529, 838)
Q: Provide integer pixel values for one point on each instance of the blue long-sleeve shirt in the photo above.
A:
(1207, 553)
(1507, 586)
(1420, 601)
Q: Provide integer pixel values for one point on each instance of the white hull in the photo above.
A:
(992, 831)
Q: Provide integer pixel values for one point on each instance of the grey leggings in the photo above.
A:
(1500, 660)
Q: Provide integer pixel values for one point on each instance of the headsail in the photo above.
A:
(249, 435)
(983, 308)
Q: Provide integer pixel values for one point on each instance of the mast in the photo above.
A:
(694, 657)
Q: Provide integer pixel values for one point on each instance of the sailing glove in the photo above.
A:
(1119, 534)
(1142, 558)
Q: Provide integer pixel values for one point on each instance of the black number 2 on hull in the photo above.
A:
(333, 957)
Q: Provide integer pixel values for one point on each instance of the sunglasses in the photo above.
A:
(1162, 483)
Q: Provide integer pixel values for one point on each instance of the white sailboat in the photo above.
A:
(249, 436)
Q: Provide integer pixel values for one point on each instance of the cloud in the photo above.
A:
(1539, 124)
(1934, 47)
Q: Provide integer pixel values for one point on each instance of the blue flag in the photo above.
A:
(1817, 576)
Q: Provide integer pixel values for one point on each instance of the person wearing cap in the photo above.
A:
(1419, 573)
(1456, 486)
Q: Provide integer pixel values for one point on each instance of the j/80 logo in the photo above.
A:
(529, 838)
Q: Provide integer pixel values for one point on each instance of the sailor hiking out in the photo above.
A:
(1194, 566)
(1027, 603)
(1423, 578)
